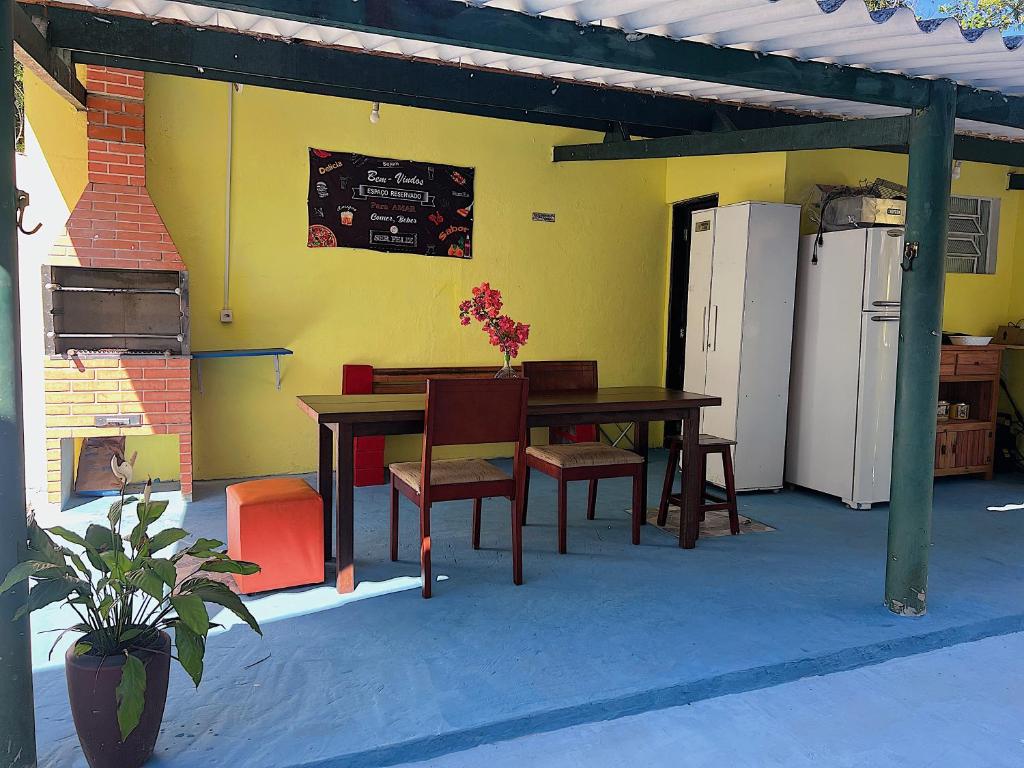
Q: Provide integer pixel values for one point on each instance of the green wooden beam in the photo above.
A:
(172, 48)
(17, 713)
(990, 107)
(179, 49)
(978, 150)
(450, 23)
(460, 24)
(1016, 181)
(325, 89)
(53, 67)
(210, 54)
(917, 373)
(891, 131)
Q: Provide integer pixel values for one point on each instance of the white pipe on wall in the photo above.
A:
(227, 199)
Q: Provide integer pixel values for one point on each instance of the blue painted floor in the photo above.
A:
(959, 707)
(383, 677)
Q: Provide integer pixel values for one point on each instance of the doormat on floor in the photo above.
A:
(716, 523)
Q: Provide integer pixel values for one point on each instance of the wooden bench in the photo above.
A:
(395, 381)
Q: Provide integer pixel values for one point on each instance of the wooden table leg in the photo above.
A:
(325, 485)
(345, 534)
(693, 483)
(641, 448)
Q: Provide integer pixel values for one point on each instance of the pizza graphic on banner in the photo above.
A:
(381, 204)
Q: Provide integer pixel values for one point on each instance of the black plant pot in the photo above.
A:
(92, 685)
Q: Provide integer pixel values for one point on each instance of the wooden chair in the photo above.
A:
(590, 461)
(465, 412)
(708, 444)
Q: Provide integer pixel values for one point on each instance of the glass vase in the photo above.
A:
(507, 371)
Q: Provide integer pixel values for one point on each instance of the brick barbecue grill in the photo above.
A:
(116, 295)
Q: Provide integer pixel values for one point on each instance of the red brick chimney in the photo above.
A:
(115, 224)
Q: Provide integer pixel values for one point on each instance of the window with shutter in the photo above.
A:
(973, 237)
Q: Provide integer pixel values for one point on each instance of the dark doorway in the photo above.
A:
(679, 278)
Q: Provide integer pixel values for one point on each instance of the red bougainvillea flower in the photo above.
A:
(502, 331)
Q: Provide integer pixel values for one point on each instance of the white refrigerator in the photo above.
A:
(739, 320)
(843, 381)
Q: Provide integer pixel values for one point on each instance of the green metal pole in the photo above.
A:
(17, 716)
(917, 377)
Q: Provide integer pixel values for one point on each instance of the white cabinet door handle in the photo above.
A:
(715, 347)
(703, 329)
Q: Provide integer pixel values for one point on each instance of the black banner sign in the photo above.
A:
(358, 201)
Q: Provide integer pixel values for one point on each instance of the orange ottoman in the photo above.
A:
(279, 525)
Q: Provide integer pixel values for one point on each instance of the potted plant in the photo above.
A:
(502, 331)
(127, 593)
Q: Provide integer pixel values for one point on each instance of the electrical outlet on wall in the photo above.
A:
(227, 316)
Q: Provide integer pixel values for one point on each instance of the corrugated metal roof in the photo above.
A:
(833, 31)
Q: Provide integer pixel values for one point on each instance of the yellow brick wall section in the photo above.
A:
(79, 390)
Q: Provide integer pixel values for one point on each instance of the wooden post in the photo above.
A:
(17, 716)
(917, 378)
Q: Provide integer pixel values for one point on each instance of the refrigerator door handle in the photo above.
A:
(885, 318)
(886, 303)
(715, 347)
(704, 329)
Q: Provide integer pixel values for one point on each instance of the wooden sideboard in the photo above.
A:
(968, 375)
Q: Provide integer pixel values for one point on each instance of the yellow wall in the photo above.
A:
(156, 456)
(60, 132)
(585, 283)
(974, 303)
(1014, 366)
(735, 178)
(53, 170)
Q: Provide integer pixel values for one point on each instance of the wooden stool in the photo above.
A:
(708, 444)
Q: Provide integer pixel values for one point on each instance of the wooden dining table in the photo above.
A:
(342, 418)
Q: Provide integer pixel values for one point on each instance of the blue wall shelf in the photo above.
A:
(275, 352)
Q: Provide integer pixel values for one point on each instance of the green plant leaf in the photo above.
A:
(192, 612)
(117, 563)
(148, 514)
(105, 605)
(131, 633)
(77, 562)
(205, 548)
(82, 648)
(163, 568)
(27, 569)
(131, 694)
(114, 513)
(101, 539)
(69, 535)
(210, 591)
(191, 649)
(149, 582)
(41, 546)
(166, 537)
(230, 566)
(75, 628)
(152, 511)
(46, 592)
